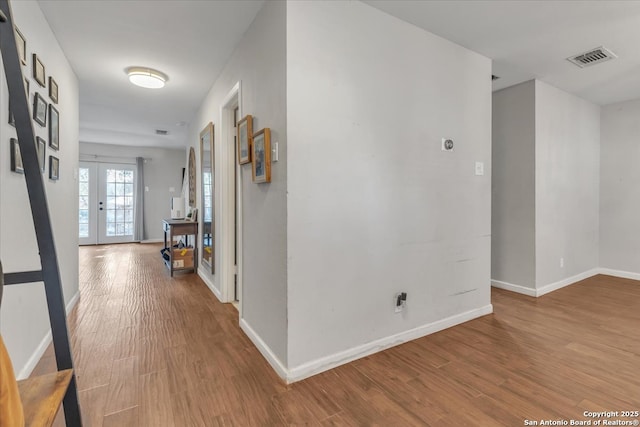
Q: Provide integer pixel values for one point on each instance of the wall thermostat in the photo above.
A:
(447, 144)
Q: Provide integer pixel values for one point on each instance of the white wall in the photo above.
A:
(259, 64)
(162, 171)
(619, 189)
(374, 206)
(567, 184)
(24, 315)
(513, 186)
(558, 161)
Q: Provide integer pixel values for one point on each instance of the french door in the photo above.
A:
(106, 203)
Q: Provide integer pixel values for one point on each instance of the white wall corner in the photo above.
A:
(513, 288)
(44, 344)
(266, 352)
(334, 360)
(566, 282)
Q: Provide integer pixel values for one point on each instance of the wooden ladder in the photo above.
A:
(41, 395)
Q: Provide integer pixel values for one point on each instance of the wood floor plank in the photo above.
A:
(151, 350)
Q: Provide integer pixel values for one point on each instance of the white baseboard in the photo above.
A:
(210, 284)
(543, 290)
(337, 359)
(334, 360)
(514, 288)
(566, 282)
(619, 273)
(151, 241)
(44, 344)
(265, 350)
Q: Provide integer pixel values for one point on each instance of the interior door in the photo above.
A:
(116, 202)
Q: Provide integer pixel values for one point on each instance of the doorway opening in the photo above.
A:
(231, 212)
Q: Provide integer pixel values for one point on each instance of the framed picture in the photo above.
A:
(12, 120)
(42, 147)
(39, 110)
(38, 71)
(245, 132)
(22, 47)
(54, 168)
(53, 90)
(16, 157)
(261, 153)
(54, 128)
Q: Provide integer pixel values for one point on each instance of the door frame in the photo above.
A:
(93, 204)
(229, 200)
(95, 168)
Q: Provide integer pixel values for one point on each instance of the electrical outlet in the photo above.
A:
(561, 262)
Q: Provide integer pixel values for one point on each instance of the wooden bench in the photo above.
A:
(41, 397)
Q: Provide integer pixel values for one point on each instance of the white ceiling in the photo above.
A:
(190, 41)
(532, 39)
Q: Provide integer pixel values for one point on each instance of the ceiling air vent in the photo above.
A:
(494, 77)
(162, 132)
(592, 57)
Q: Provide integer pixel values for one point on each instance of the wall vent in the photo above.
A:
(592, 57)
(494, 77)
(162, 132)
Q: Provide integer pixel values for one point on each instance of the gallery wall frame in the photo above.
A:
(22, 46)
(39, 71)
(245, 137)
(39, 109)
(261, 156)
(53, 90)
(54, 168)
(16, 157)
(54, 128)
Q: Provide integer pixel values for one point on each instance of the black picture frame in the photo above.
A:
(54, 168)
(39, 71)
(42, 152)
(22, 47)
(54, 128)
(39, 109)
(16, 157)
(53, 90)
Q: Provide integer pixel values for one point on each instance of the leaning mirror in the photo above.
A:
(206, 166)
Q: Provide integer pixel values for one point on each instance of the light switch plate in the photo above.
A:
(479, 168)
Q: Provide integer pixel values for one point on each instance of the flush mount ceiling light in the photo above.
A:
(146, 77)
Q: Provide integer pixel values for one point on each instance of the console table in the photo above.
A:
(181, 259)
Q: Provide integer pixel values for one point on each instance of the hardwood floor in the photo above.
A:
(156, 351)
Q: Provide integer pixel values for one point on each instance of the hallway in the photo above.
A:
(155, 351)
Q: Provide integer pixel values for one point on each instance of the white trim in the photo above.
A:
(513, 288)
(227, 194)
(566, 282)
(619, 273)
(543, 290)
(264, 349)
(28, 367)
(334, 360)
(209, 283)
(343, 357)
(151, 241)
